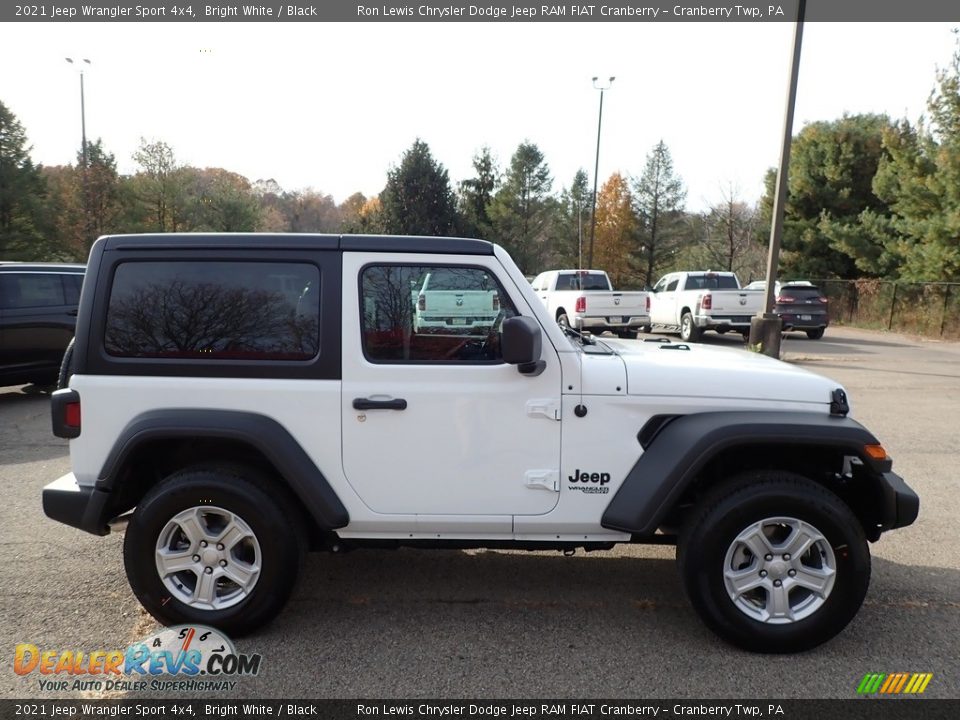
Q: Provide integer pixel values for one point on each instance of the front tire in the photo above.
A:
(689, 332)
(214, 546)
(775, 563)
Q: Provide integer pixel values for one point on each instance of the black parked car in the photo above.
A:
(802, 306)
(38, 312)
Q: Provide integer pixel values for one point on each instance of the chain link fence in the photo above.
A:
(930, 309)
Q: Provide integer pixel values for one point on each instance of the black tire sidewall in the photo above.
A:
(280, 549)
(706, 548)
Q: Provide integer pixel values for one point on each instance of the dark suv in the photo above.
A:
(802, 306)
(38, 312)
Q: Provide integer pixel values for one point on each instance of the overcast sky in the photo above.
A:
(333, 105)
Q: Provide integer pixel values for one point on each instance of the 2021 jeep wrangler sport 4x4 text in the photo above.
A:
(241, 399)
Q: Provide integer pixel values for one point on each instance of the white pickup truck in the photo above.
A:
(586, 300)
(693, 302)
(450, 300)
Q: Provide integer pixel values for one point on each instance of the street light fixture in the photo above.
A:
(596, 166)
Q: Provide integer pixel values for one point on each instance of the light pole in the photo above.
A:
(84, 183)
(596, 167)
(765, 326)
(83, 113)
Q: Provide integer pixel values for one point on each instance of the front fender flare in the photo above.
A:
(681, 449)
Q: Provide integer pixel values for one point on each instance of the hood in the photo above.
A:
(704, 371)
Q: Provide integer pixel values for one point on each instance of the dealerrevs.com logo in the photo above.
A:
(894, 683)
(185, 658)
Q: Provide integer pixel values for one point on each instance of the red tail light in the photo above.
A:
(706, 302)
(65, 413)
(71, 415)
(581, 304)
(823, 300)
(496, 301)
(421, 303)
(786, 299)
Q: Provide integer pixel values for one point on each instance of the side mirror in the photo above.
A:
(520, 344)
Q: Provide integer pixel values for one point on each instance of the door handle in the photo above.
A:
(368, 404)
(72, 312)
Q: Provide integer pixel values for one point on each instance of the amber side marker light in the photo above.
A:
(876, 452)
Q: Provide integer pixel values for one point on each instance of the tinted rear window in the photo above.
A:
(214, 311)
(711, 282)
(582, 281)
(803, 291)
(458, 279)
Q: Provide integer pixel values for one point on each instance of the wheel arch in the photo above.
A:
(691, 454)
(160, 442)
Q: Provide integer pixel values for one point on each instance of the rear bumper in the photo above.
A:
(722, 322)
(627, 322)
(83, 507)
(901, 504)
(795, 321)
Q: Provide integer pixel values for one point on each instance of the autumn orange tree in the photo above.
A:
(616, 230)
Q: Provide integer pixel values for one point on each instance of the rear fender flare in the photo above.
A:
(263, 433)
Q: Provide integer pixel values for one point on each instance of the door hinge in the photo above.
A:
(542, 480)
(549, 409)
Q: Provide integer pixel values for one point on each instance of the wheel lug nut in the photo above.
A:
(768, 557)
(786, 556)
(196, 558)
(203, 543)
(777, 583)
(208, 570)
(763, 573)
(220, 547)
(791, 572)
(223, 563)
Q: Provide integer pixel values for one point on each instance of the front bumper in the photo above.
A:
(84, 507)
(901, 504)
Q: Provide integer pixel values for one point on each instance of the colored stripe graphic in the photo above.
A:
(894, 683)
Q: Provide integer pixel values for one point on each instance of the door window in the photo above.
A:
(30, 290)
(432, 314)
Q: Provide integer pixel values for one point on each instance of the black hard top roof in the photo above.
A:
(299, 241)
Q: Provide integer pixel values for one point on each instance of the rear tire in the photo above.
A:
(735, 559)
(689, 332)
(230, 545)
(816, 334)
(626, 334)
(66, 366)
(563, 320)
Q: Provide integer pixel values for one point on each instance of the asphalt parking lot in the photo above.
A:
(504, 624)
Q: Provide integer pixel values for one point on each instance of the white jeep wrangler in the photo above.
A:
(240, 399)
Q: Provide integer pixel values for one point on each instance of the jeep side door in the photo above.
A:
(434, 423)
